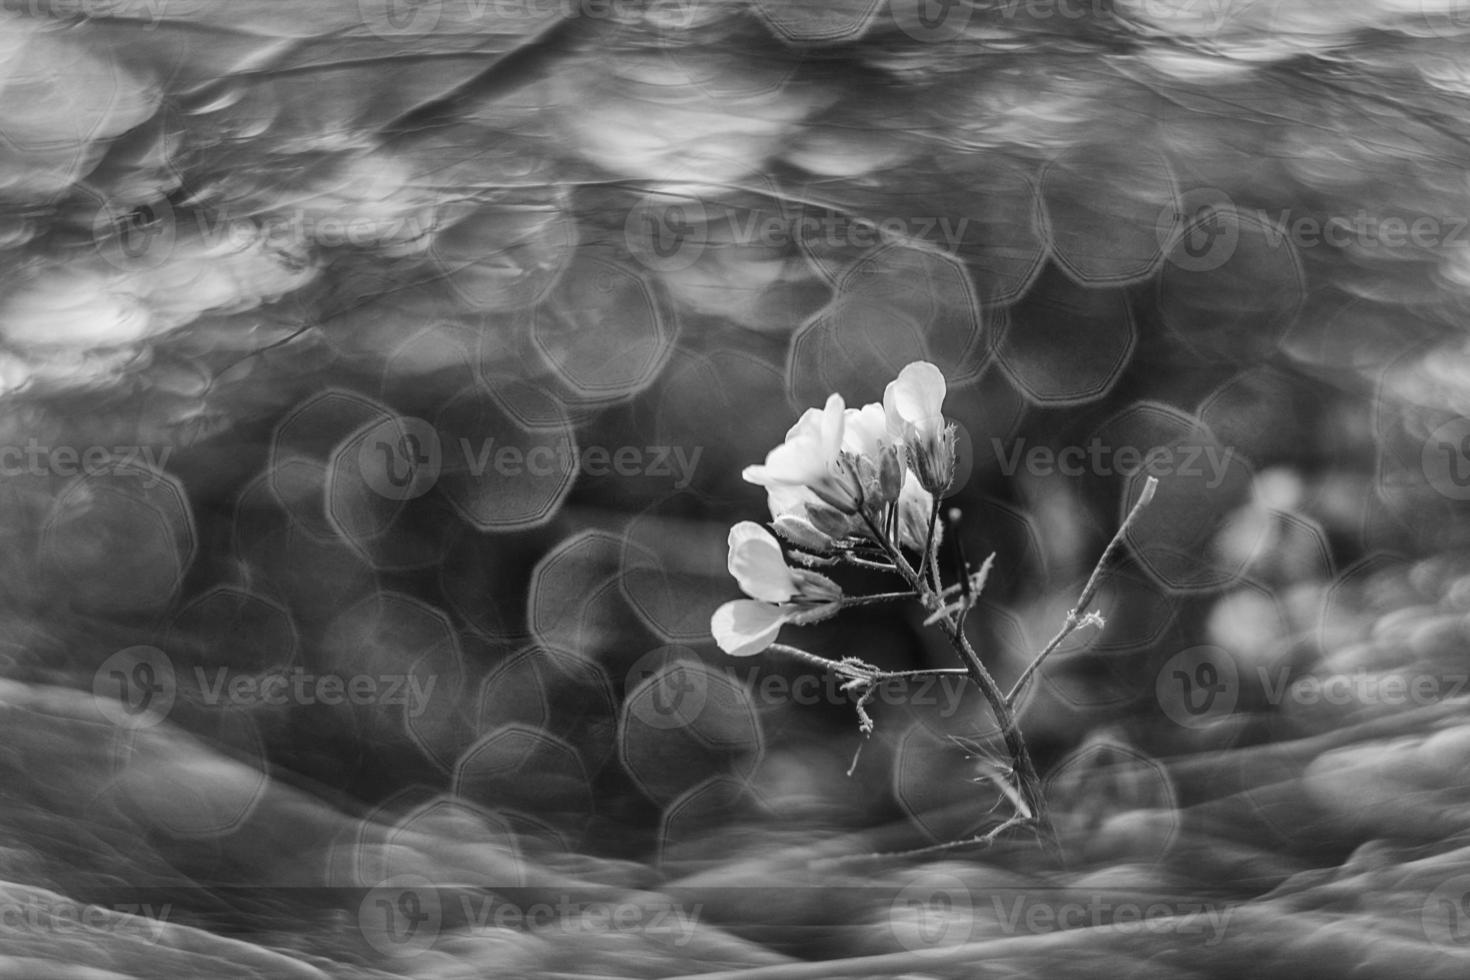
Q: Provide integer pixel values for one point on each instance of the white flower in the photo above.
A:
(913, 408)
(843, 457)
(808, 456)
(913, 403)
(779, 594)
(758, 565)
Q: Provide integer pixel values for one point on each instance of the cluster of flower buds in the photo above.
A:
(844, 480)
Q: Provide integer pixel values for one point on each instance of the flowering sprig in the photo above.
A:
(861, 487)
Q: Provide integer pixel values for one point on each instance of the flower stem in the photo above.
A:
(849, 602)
(929, 544)
(1010, 731)
(876, 566)
(1077, 615)
(1005, 719)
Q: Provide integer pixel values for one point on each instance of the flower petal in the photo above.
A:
(758, 565)
(809, 424)
(865, 430)
(787, 499)
(833, 419)
(915, 397)
(799, 462)
(744, 628)
(914, 506)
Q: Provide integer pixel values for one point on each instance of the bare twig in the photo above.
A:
(1076, 617)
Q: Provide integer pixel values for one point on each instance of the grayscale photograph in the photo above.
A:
(734, 489)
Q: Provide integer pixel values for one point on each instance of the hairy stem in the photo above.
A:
(1025, 769)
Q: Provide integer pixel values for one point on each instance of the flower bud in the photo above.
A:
(830, 521)
(890, 475)
(812, 587)
(802, 533)
(934, 460)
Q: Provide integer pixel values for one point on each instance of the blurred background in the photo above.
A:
(375, 383)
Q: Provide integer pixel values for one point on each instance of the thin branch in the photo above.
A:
(876, 566)
(988, 838)
(1026, 774)
(929, 546)
(1076, 617)
(851, 670)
